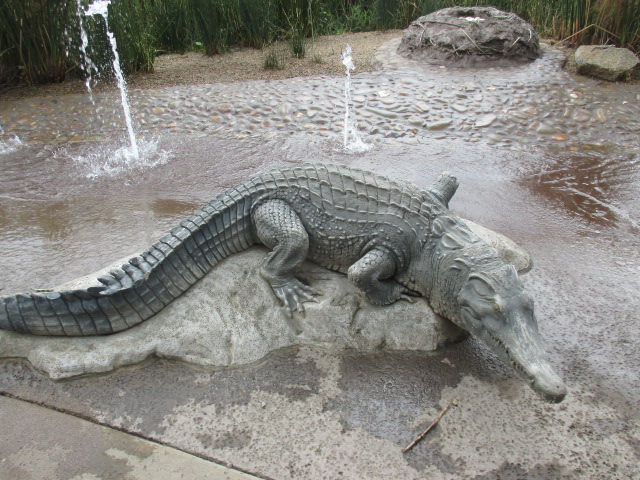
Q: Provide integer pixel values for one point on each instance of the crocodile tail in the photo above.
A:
(143, 286)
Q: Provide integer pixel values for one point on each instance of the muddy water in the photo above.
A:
(58, 224)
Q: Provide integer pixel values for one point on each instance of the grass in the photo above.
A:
(276, 57)
(298, 45)
(35, 35)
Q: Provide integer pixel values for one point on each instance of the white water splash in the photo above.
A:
(352, 141)
(100, 7)
(10, 144)
(104, 161)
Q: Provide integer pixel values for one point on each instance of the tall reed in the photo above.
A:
(256, 22)
(173, 24)
(34, 34)
(32, 40)
(134, 34)
(212, 25)
(618, 22)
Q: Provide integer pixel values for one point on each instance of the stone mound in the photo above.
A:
(470, 36)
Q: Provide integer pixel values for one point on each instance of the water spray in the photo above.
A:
(100, 7)
(352, 141)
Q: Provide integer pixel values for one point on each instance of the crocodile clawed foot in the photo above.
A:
(409, 295)
(294, 294)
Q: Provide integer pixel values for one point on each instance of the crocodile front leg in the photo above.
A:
(279, 228)
(373, 275)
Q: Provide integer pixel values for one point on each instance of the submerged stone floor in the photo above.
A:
(504, 107)
(550, 160)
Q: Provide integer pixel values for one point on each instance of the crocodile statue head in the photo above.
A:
(467, 281)
(495, 309)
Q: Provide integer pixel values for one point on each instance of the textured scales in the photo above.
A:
(393, 239)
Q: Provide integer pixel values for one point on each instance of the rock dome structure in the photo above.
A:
(470, 36)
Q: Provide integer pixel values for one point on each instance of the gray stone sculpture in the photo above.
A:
(394, 240)
(470, 36)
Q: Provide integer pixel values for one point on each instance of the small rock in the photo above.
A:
(560, 137)
(441, 125)
(225, 107)
(546, 129)
(581, 116)
(486, 120)
(459, 108)
(422, 106)
(395, 134)
(382, 113)
(284, 108)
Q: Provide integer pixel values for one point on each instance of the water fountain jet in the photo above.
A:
(352, 141)
(84, 48)
(100, 7)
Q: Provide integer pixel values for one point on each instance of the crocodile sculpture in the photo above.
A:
(394, 241)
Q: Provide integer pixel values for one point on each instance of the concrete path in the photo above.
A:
(39, 443)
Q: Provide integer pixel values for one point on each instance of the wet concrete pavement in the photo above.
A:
(572, 203)
(39, 442)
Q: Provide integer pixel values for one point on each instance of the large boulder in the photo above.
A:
(605, 62)
(470, 36)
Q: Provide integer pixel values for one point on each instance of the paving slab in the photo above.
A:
(41, 443)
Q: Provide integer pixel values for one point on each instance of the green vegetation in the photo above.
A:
(31, 37)
(298, 45)
(35, 35)
(276, 58)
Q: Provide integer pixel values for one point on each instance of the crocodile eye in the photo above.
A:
(481, 287)
(470, 314)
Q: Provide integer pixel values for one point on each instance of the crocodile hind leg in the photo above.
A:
(373, 275)
(280, 229)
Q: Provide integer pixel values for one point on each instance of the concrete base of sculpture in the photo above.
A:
(232, 318)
